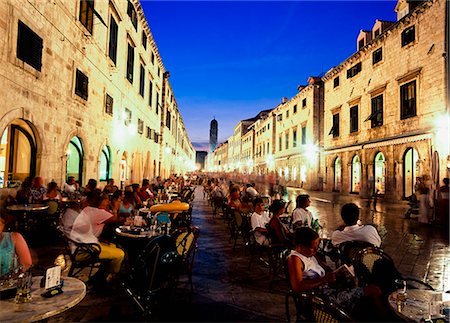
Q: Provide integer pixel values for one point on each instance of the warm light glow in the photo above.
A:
(310, 151)
(442, 131)
(132, 129)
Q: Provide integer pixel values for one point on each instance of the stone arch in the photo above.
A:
(82, 135)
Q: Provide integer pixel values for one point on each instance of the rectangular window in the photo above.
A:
(87, 14)
(408, 35)
(109, 102)
(29, 46)
(377, 56)
(268, 126)
(142, 81)
(150, 93)
(354, 70)
(287, 140)
(294, 138)
(287, 114)
(304, 135)
(153, 58)
(268, 147)
(130, 63)
(280, 117)
(304, 103)
(159, 71)
(335, 128)
(128, 116)
(113, 34)
(408, 100)
(361, 43)
(376, 33)
(295, 109)
(377, 111)
(132, 14)
(81, 85)
(354, 119)
(280, 143)
(144, 40)
(140, 126)
(157, 103)
(336, 82)
(168, 119)
(149, 133)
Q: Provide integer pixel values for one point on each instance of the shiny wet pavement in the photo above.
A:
(227, 290)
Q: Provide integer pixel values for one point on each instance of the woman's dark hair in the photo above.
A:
(117, 194)
(276, 206)
(92, 184)
(51, 186)
(304, 236)
(257, 200)
(94, 198)
(128, 196)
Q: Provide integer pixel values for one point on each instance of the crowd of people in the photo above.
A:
(88, 216)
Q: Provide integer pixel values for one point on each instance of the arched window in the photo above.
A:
(337, 174)
(75, 156)
(294, 173)
(286, 173)
(356, 174)
(410, 171)
(380, 174)
(105, 163)
(17, 154)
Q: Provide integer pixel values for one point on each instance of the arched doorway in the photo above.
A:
(17, 154)
(410, 171)
(105, 164)
(380, 174)
(337, 174)
(356, 174)
(75, 156)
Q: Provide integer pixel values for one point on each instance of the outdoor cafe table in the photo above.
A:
(40, 308)
(416, 306)
(25, 210)
(134, 239)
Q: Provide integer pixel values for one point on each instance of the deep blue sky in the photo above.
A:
(232, 59)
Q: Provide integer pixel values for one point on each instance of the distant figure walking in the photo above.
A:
(422, 190)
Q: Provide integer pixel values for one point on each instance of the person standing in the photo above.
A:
(423, 191)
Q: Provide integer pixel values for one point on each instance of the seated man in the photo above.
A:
(110, 187)
(37, 190)
(251, 192)
(353, 231)
(88, 226)
(144, 192)
(259, 220)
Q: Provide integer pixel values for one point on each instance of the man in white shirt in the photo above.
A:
(88, 226)
(71, 186)
(259, 220)
(353, 230)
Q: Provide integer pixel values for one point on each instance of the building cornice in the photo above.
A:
(408, 19)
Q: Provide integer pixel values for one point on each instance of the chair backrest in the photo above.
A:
(316, 310)
(185, 240)
(374, 266)
(349, 249)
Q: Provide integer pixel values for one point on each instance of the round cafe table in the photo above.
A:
(40, 308)
(23, 214)
(415, 307)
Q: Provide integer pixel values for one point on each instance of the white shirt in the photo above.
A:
(70, 188)
(89, 224)
(357, 233)
(260, 221)
(311, 267)
(303, 215)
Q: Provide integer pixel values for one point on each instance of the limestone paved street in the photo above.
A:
(225, 290)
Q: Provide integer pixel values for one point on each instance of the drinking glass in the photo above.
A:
(23, 294)
(400, 284)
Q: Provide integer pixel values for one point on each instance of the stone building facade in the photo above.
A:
(384, 106)
(375, 122)
(85, 93)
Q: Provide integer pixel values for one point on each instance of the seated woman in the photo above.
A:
(126, 206)
(15, 256)
(88, 226)
(234, 200)
(281, 232)
(307, 273)
(52, 192)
